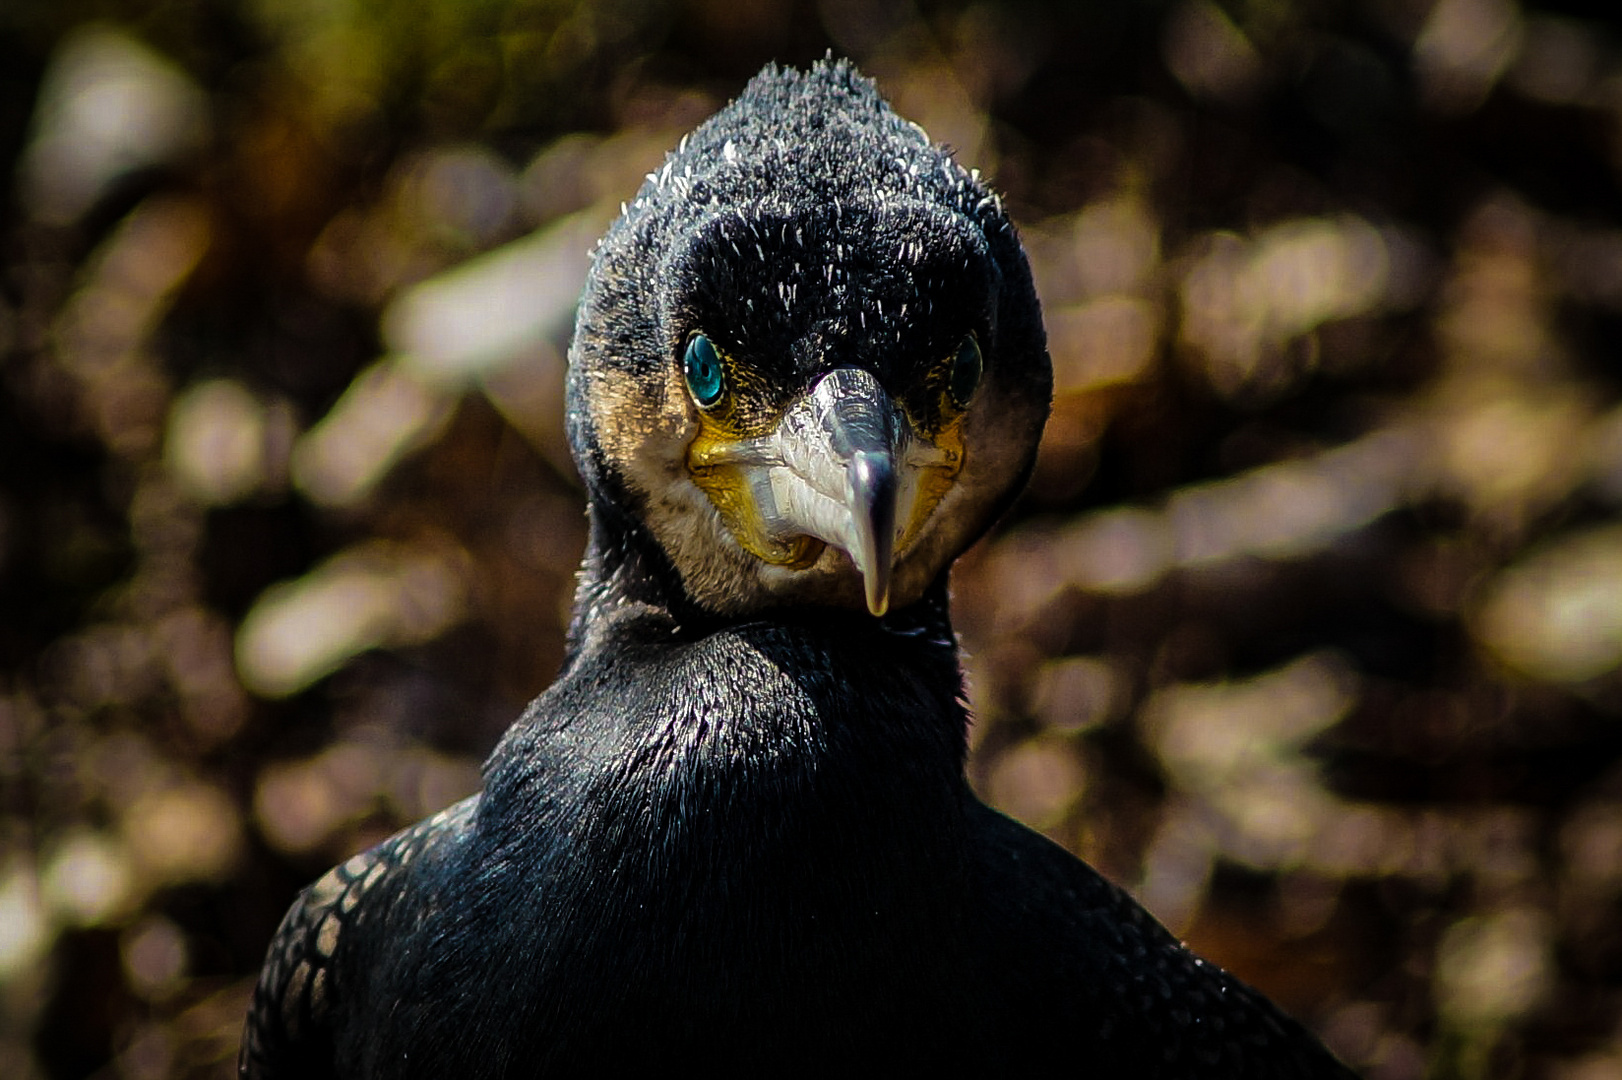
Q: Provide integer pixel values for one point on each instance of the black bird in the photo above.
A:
(809, 369)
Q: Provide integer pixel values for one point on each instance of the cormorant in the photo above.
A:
(809, 369)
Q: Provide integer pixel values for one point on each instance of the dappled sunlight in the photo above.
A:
(1237, 749)
(1558, 615)
(377, 595)
(224, 444)
(1462, 49)
(24, 931)
(102, 334)
(387, 412)
(1209, 54)
(1287, 510)
(1245, 301)
(1036, 782)
(1494, 968)
(108, 106)
(183, 832)
(306, 805)
(88, 879)
(496, 309)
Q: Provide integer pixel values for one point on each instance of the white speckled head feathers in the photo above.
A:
(803, 228)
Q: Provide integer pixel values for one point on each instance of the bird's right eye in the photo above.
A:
(967, 366)
(701, 367)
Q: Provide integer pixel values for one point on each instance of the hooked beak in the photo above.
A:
(870, 497)
(841, 467)
(859, 432)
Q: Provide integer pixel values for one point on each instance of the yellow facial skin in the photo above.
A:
(728, 487)
(743, 412)
(941, 424)
(933, 481)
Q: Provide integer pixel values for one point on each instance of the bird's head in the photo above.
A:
(809, 358)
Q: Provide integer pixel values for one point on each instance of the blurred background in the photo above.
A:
(1308, 631)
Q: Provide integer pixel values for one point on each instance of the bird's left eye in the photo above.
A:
(701, 366)
(966, 368)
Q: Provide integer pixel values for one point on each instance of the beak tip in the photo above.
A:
(871, 492)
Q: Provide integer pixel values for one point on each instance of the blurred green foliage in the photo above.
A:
(1309, 629)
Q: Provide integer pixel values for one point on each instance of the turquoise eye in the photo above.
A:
(966, 368)
(701, 365)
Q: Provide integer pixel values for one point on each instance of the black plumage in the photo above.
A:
(735, 832)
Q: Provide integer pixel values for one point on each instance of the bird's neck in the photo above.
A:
(753, 804)
(623, 569)
(804, 720)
